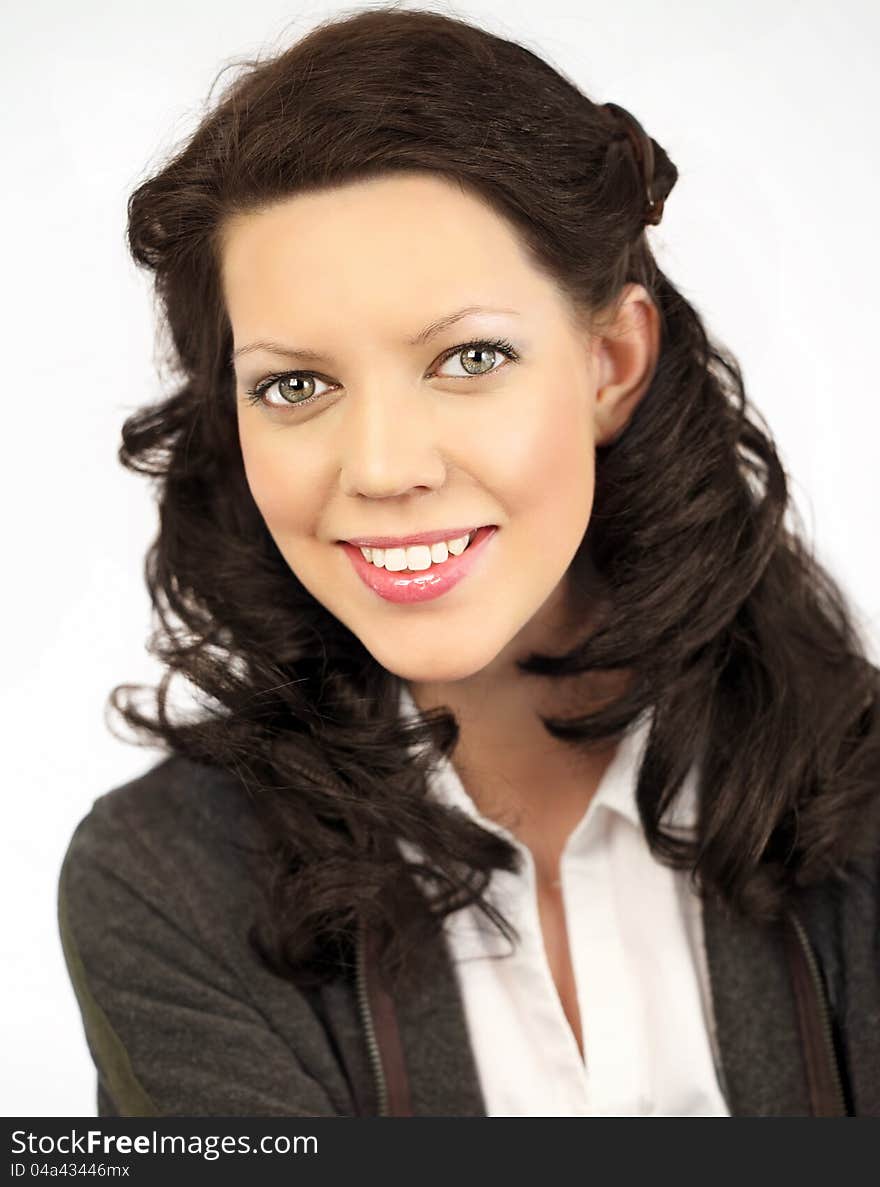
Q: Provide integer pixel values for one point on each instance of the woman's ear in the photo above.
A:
(626, 351)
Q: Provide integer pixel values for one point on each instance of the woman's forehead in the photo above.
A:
(393, 226)
(401, 251)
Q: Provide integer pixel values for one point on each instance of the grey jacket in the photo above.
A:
(158, 889)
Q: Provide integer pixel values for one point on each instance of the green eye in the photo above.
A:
(472, 365)
(473, 369)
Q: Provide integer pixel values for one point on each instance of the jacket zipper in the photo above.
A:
(824, 1012)
(367, 1023)
(381, 1086)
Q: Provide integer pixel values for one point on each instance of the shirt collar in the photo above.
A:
(616, 791)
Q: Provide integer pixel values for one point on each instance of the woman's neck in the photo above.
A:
(518, 774)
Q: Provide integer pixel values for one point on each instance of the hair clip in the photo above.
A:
(627, 127)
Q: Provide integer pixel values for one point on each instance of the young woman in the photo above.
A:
(536, 763)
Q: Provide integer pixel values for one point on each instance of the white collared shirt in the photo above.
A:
(635, 935)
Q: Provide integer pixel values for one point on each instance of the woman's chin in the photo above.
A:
(436, 667)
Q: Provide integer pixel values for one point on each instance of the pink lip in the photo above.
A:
(409, 587)
(403, 541)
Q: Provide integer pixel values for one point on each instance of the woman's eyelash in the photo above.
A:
(256, 392)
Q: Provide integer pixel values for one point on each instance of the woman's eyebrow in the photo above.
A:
(430, 331)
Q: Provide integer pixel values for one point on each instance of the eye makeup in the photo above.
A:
(257, 392)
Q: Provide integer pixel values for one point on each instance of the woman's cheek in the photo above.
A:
(546, 450)
(275, 478)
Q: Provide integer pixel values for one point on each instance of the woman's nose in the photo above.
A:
(388, 443)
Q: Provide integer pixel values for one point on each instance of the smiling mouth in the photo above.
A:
(418, 573)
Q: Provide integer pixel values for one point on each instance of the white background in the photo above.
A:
(765, 107)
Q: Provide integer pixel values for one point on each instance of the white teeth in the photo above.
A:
(395, 559)
(416, 557)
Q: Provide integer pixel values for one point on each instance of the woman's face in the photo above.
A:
(379, 420)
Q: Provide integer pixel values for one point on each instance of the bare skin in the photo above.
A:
(400, 439)
(539, 790)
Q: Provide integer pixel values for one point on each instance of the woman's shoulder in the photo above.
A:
(173, 792)
(157, 891)
(180, 838)
(177, 808)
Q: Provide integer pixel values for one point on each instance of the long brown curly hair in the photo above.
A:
(738, 640)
